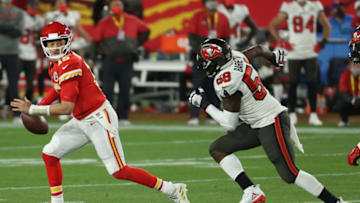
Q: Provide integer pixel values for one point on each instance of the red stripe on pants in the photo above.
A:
(283, 147)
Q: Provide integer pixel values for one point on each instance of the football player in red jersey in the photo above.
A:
(94, 118)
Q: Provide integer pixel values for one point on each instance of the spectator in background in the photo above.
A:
(206, 23)
(236, 14)
(349, 84)
(301, 17)
(70, 18)
(118, 36)
(356, 20)
(11, 28)
(29, 45)
(341, 30)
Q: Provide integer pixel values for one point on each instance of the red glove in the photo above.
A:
(354, 156)
(286, 45)
(319, 46)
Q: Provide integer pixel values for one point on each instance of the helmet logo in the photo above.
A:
(355, 37)
(211, 52)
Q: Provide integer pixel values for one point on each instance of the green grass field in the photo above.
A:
(177, 153)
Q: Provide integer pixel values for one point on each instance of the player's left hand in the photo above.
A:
(21, 105)
(198, 98)
(319, 46)
(279, 57)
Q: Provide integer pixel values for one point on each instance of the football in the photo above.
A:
(34, 124)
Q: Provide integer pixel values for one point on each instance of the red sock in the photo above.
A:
(140, 176)
(54, 173)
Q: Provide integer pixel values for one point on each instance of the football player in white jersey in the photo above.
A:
(28, 46)
(236, 14)
(264, 120)
(302, 17)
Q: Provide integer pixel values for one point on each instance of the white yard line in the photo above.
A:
(199, 161)
(184, 181)
(320, 130)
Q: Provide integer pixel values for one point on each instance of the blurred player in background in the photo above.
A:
(70, 18)
(237, 14)
(29, 44)
(265, 121)
(207, 23)
(11, 28)
(94, 118)
(302, 17)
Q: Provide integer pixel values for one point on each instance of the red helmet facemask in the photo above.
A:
(56, 31)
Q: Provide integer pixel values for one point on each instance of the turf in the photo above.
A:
(179, 155)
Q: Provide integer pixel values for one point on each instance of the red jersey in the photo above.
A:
(202, 22)
(349, 83)
(74, 82)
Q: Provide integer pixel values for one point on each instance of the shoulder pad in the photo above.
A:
(70, 67)
(227, 82)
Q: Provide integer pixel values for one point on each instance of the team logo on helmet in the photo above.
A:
(211, 51)
(355, 37)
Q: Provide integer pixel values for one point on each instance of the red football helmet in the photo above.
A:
(52, 32)
(354, 46)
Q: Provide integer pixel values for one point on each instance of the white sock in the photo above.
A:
(309, 183)
(168, 188)
(232, 166)
(358, 145)
(57, 199)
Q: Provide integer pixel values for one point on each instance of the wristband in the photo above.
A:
(39, 110)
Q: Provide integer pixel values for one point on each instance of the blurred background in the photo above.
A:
(162, 76)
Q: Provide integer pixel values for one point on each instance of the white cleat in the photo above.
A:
(193, 122)
(342, 124)
(253, 194)
(314, 119)
(341, 201)
(179, 195)
(293, 118)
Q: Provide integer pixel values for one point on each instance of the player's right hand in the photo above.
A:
(286, 45)
(198, 98)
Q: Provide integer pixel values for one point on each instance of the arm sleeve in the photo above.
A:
(50, 97)
(319, 6)
(284, 8)
(70, 90)
(228, 120)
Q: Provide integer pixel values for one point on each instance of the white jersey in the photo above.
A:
(236, 16)
(28, 41)
(70, 19)
(302, 27)
(258, 107)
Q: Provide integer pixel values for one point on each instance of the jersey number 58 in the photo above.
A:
(255, 86)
